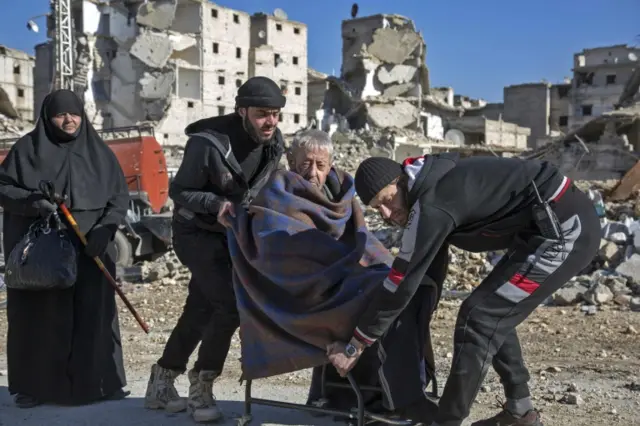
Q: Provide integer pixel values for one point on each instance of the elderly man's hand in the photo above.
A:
(226, 210)
(340, 360)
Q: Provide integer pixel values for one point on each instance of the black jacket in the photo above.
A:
(476, 204)
(210, 174)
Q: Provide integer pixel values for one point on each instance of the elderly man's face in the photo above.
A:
(314, 165)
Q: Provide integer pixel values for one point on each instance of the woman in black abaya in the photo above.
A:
(64, 346)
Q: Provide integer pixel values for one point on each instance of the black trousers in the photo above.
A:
(210, 316)
(485, 331)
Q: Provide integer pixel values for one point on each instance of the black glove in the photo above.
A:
(97, 241)
(45, 207)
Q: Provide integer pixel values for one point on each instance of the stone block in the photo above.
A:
(152, 49)
(630, 268)
(397, 74)
(394, 46)
(570, 294)
(396, 114)
(157, 85)
(397, 90)
(158, 14)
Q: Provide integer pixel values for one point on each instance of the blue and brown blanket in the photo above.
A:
(304, 269)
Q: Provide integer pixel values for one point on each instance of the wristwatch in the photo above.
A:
(350, 350)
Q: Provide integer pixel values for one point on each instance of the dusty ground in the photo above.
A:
(592, 360)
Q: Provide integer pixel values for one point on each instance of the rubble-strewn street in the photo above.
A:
(582, 349)
(164, 64)
(584, 368)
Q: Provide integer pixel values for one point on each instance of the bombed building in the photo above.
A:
(16, 92)
(384, 86)
(171, 62)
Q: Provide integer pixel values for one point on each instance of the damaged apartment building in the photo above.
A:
(384, 85)
(554, 110)
(16, 91)
(172, 62)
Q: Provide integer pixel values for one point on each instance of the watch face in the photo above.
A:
(350, 350)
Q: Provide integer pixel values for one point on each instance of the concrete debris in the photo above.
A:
(167, 269)
(395, 46)
(399, 74)
(13, 128)
(387, 115)
(382, 77)
(157, 84)
(384, 85)
(153, 49)
(629, 183)
(6, 107)
(158, 14)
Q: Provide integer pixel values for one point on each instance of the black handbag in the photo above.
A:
(45, 258)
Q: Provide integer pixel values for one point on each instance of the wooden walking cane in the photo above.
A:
(48, 190)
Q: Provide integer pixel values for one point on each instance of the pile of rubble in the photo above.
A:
(383, 77)
(13, 128)
(613, 277)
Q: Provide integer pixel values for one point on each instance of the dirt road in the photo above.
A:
(585, 370)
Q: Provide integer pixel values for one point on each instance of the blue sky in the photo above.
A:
(476, 47)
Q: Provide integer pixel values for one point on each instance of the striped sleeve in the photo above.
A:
(425, 233)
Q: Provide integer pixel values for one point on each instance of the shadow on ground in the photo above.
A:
(130, 412)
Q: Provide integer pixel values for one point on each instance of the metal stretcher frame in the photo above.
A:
(359, 414)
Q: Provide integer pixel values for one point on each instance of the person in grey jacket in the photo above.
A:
(549, 228)
(227, 160)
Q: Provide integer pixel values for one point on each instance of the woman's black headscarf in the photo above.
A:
(81, 165)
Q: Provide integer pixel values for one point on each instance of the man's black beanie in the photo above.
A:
(373, 175)
(260, 92)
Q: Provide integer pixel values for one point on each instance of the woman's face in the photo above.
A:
(67, 122)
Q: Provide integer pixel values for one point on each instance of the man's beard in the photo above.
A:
(253, 133)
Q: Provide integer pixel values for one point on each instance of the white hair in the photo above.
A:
(310, 140)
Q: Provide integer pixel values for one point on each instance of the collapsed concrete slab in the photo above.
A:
(397, 114)
(394, 46)
(384, 55)
(6, 107)
(153, 49)
(158, 14)
(157, 84)
(398, 74)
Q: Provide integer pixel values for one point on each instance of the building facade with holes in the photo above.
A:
(599, 78)
(16, 84)
(177, 63)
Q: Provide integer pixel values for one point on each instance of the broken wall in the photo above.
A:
(383, 75)
(279, 49)
(560, 107)
(491, 111)
(383, 55)
(528, 105)
(16, 81)
(599, 79)
(482, 131)
(317, 85)
(226, 46)
(608, 158)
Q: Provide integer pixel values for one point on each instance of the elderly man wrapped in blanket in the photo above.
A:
(305, 267)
